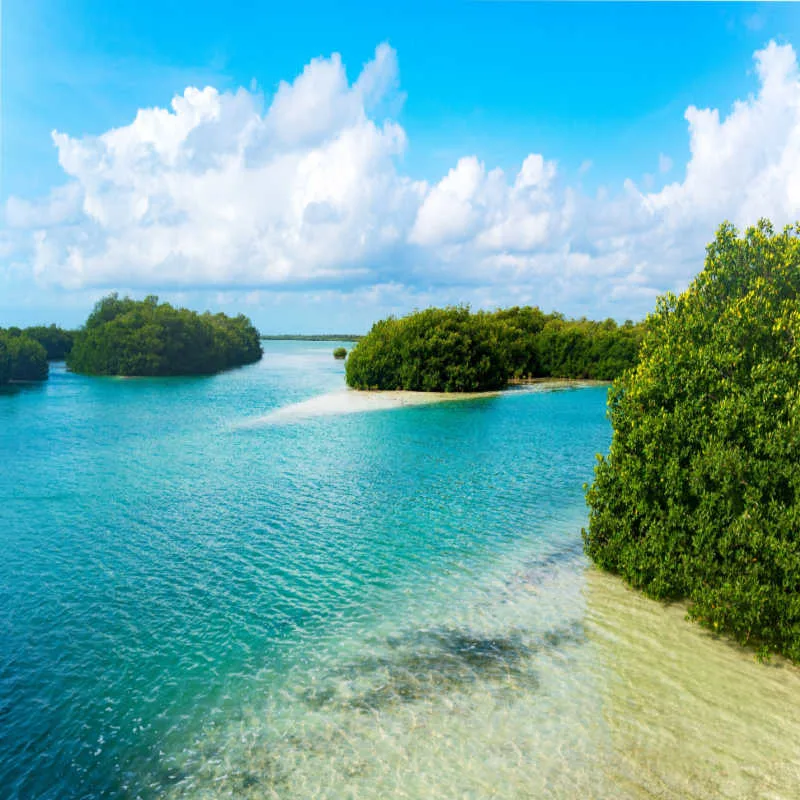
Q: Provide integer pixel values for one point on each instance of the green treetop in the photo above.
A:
(699, 497)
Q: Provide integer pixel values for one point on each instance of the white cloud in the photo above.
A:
(471, 204)
(748, 165)
(216, 192)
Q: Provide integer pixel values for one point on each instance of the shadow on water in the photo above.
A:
(19, 388)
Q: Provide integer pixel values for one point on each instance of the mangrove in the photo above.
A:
(455, 350)
(147, 338)
(699, 496)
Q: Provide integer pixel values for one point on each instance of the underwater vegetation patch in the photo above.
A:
(425, 664)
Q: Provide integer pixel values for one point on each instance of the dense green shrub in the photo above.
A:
(21, 358)
(437, 350)
(130, 337)
(454, 350)
(699, 497)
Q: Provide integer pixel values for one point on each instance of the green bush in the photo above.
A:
(129, 337)
(340, 353)
(699, 497)
(437, 350)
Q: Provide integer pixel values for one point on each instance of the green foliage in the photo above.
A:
(21, 358)
(436, 350)
(56, 341)
(340, 352)
(454, 350)
(699, 497)
(130, 337)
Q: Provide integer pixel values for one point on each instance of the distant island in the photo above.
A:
(456, 350)
(147, 338)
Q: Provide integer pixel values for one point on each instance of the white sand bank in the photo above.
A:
(350, 401)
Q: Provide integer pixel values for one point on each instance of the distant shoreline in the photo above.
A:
(321, 337)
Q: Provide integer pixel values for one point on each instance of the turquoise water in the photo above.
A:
(198, 600)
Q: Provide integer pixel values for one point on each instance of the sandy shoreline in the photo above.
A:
(353, 401)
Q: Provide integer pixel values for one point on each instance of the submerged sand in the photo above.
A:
(353, 401)
(535, 680)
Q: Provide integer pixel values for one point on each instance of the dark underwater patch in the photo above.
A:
(421, 665)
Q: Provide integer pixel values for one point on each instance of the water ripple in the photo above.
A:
(351, 605)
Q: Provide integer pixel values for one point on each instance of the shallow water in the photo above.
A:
(390, 604)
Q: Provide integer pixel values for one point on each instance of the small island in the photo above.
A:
(146, 338)
(340, 353)
(455, 350)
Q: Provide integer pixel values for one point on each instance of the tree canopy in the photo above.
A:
(130, 337)
(455, 350)
(699, 497)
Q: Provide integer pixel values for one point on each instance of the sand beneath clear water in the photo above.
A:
(351, 401)
(541, 681)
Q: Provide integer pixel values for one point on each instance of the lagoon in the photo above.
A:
(208, 591)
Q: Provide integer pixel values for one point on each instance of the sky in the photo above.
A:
(319, 166)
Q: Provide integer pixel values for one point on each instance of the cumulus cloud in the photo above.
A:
(220, 192)
(747, 165)
(214, 192)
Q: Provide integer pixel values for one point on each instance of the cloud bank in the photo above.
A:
(219, 192)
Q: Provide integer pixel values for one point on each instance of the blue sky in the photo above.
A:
(599, 90)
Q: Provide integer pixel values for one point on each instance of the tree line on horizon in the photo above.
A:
(454, 349)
